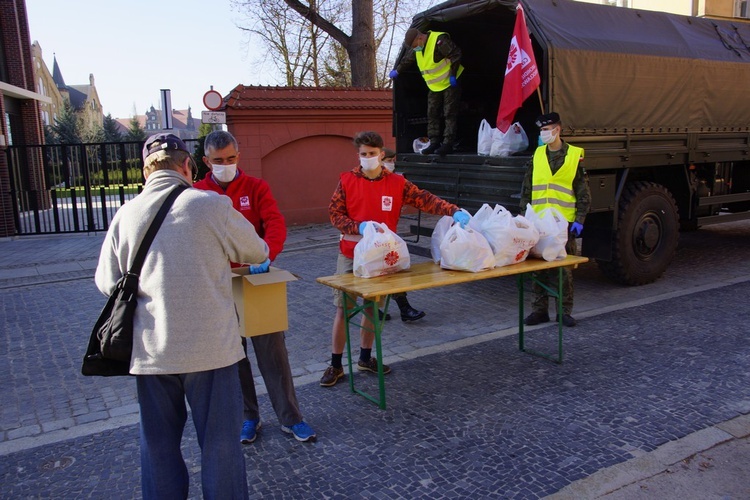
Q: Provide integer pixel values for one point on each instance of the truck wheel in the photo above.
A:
(647, 235)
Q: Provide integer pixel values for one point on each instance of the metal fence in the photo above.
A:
(83, 185)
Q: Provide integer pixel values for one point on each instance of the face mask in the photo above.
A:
(548, 136)
(224, 173)
(369, 164)
(418, 48)
(389, 165)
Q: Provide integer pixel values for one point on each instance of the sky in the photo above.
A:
(134, 48)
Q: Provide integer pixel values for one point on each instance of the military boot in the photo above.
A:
(408, 313)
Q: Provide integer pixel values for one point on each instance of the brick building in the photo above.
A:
(19, 108)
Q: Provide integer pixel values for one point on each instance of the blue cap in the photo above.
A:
(163, 142)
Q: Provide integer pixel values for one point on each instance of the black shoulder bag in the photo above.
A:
(111, 342)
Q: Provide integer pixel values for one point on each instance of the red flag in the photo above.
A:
(521, 73)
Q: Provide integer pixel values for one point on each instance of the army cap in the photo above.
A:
(548, 119)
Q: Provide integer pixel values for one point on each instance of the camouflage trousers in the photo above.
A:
(540, 303)
(443, 106)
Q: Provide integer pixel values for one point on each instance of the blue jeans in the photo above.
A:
(215, 402)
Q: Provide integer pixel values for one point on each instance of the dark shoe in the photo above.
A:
(431, 148)
(408, 313)
(535, 318)
(444, 149)
(567, 320)
(331, 376)
(372, 366)
(383, 316)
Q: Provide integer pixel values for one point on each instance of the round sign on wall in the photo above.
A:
(212, 100)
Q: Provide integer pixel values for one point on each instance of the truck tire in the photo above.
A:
(647, 235)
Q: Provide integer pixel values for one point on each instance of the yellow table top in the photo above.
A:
(430, 275)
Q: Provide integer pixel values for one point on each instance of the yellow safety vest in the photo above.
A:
(549, 190)
(435, 74)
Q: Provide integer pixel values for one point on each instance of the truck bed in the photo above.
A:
(468, 180)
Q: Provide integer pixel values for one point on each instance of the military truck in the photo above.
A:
(660, 102)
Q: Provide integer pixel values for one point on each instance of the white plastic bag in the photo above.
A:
(510, 237)
(380, 252)
(438, 235)
(465, 250)
(553, 233)
(420, 143)
(484, 138)
(512, 141)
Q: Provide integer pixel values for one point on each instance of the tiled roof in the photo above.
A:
(259, 97)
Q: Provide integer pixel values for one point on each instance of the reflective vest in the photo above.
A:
(556, 190)
(435, 74)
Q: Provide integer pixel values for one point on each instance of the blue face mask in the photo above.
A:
(418, 48)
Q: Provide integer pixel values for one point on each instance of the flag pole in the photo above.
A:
(541, 104)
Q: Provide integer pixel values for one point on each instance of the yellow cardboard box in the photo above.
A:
(261, 300)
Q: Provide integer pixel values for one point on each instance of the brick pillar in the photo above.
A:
(7, 224)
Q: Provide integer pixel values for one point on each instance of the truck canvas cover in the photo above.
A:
(619, 70)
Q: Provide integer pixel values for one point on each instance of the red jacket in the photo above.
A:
(343, 203)
(252, 198)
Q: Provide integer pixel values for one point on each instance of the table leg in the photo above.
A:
(555, 293)
(519, 282)
(370, 309)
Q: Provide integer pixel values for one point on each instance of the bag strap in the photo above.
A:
(140, 256)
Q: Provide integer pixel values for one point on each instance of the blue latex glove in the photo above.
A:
(260, 268)
(362, 227)
(576, 228)
(393, 74)
(461, 218)
(453, 81)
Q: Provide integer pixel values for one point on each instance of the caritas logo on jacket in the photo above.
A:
(245, 203)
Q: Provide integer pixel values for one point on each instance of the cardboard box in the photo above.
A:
(261, 300)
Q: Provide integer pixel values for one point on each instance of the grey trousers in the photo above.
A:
(273, 362)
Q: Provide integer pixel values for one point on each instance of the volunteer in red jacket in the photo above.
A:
(370, 193)
(252, 198)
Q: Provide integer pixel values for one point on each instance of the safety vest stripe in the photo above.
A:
(556, 187)
(553, 201)
(437, 69)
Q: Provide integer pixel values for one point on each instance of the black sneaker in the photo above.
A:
(372, 366)
(567, 320)
(331, 376)
(431, 148)
(383, 316)
(535, 318)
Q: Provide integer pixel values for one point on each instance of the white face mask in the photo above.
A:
(369, 164)
(548, 136)
(389, 165)
(224, 173)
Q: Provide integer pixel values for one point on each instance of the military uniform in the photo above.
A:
(583, 202)
(442, 105)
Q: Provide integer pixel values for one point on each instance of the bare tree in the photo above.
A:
(295, 46)
(312, 47)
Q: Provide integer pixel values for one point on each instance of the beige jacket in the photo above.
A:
(185, 320)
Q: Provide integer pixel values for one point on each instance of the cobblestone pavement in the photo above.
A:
(468, 414)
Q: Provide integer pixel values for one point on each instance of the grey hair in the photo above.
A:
(219, 139)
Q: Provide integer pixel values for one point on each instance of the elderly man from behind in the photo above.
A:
(185, 344)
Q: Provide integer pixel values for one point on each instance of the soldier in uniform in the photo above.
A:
(555, 177)
(439, 61)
